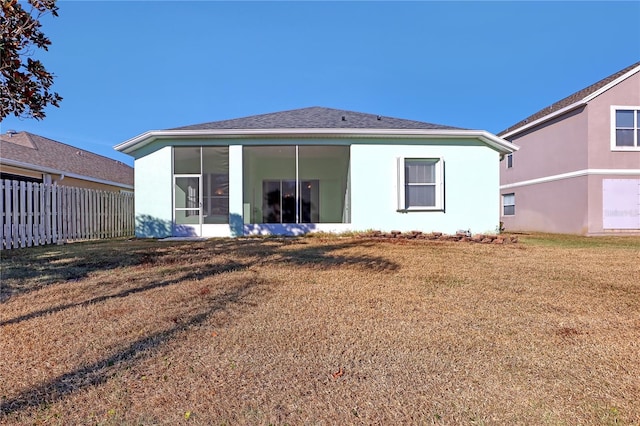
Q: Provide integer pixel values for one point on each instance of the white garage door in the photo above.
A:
(621, 203)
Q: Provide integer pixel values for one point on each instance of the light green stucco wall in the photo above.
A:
(235, 190)
(471, 182)
(471, 178)
(153, 201)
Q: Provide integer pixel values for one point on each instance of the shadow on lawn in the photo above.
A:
(239, 255)
(198, 274)
(30, 269)
(100, 371)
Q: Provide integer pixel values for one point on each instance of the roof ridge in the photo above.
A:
(577, 96)
(315, 117)
(33, 143)
(29, 135)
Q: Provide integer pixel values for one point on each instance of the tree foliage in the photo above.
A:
(24, 81)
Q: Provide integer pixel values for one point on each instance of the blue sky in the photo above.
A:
(127, 67)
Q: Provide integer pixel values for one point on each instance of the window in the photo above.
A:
(508, 204)
(509, 161)
(420, 184)
(625, 128)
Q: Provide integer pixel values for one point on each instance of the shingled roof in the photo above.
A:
(316, 118)
(316, 122)
(580, 95)
(44, 153)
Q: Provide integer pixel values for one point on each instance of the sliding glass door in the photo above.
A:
(279, 201)
(296, 184)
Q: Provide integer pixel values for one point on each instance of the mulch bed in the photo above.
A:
(439, 236)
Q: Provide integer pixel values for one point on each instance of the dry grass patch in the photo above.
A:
(322, 331)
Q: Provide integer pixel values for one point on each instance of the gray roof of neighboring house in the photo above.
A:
(42, 152)
(571, 99)
(316, 118)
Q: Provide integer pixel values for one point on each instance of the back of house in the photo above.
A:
(315, 169)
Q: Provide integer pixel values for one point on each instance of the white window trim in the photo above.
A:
(509, 157)
(612, 124)
(439, 185)
(503, 204)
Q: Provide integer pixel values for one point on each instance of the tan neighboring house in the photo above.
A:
(28, 157)
(578, 167)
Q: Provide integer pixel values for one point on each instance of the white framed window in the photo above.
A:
(509, 161)
(508, 204)
(420, 184)
(625, 128)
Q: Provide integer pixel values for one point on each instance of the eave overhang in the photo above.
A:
(499, 144)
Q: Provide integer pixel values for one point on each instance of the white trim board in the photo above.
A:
(499, 144)
(570, 175)
(612, 125)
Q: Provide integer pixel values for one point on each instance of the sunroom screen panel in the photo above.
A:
(323, 178)
(215, 185)
(267, 167)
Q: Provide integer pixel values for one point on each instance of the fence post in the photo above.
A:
(43, 214)
(112, 216)
(36, 213)
(54, 213)
(3, 212)
(47, 209)
(14, 222)
(29, 214)
(83, 211)
(65, 212)
(22, 228)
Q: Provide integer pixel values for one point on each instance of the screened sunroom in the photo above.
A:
(281, 185)
(296, 184)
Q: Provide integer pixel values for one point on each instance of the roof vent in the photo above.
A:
(379, 118)
(11, 133)
(344, 118)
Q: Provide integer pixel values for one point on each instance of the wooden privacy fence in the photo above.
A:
(36, 214)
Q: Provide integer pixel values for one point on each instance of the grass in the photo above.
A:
(322, 331)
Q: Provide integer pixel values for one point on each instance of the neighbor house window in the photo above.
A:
(509, 161)
(625, 129)
(508, 204)
(420, 184)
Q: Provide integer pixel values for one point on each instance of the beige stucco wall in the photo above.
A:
(559, 206)
(79, 183)
(56, 178)
(20, 172)
(627, 93)
(557, 147)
